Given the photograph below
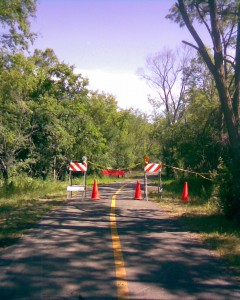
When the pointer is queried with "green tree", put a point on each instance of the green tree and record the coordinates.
(37, 105)
(222, 23)
(14, 23)
(17, 81)
(132, 138)
(58, 113)
(197, 143)
(48, 117)
(57, 78)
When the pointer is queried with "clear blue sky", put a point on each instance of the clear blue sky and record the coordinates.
(108, 40)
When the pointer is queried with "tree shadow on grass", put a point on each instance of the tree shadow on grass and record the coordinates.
(218, 233)
(15, 220)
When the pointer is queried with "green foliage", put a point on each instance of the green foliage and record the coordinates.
(223, 19)
(193, 142)
(229, 190)
(197, 140)
(14, 18)
(49, 117)
(201, 191)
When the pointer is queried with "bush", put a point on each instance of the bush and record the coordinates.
(229, 193)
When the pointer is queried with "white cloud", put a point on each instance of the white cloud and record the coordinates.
(129, 90)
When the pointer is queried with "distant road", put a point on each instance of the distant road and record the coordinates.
(113, 248)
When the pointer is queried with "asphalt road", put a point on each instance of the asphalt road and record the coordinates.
(113, 248)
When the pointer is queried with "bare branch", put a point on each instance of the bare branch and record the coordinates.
(201, 47)
(203, 20)
(191, 45)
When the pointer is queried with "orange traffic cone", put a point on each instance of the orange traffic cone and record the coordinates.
(95, 194)
(185, 192)
(138, 192)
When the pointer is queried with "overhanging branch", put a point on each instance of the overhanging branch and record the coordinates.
(191, 45)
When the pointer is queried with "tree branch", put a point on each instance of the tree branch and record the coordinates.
(202, 18)
(218, 53)
(236, 97)
(201, 47)
(191, 45)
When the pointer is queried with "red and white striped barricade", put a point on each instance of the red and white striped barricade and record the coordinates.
(152, 168)
(77, 167)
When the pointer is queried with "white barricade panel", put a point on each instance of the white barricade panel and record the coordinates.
(75, 188)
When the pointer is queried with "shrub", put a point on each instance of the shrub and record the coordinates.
(229, 191)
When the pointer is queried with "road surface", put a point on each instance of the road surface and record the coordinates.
(113, 248)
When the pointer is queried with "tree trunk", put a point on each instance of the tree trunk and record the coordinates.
(4, 170)
(229, 97)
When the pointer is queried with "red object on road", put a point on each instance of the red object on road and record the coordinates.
(138, 192)
(95, 194)
(112, 172)
(185, 192)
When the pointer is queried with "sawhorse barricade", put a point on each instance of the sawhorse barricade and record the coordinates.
(77, 167)
(152, 168)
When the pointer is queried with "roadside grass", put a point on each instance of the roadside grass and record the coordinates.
(24, 202)
(202, 215)
(22, 205)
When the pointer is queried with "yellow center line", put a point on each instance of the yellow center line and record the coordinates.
(121, 278)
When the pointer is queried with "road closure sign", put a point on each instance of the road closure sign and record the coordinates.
(146, 159)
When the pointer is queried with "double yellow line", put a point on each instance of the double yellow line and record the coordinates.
(121, 278)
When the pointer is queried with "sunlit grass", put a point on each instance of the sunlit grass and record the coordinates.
(24, 202)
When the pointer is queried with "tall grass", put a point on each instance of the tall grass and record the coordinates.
(23, 187)
(23, 203)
